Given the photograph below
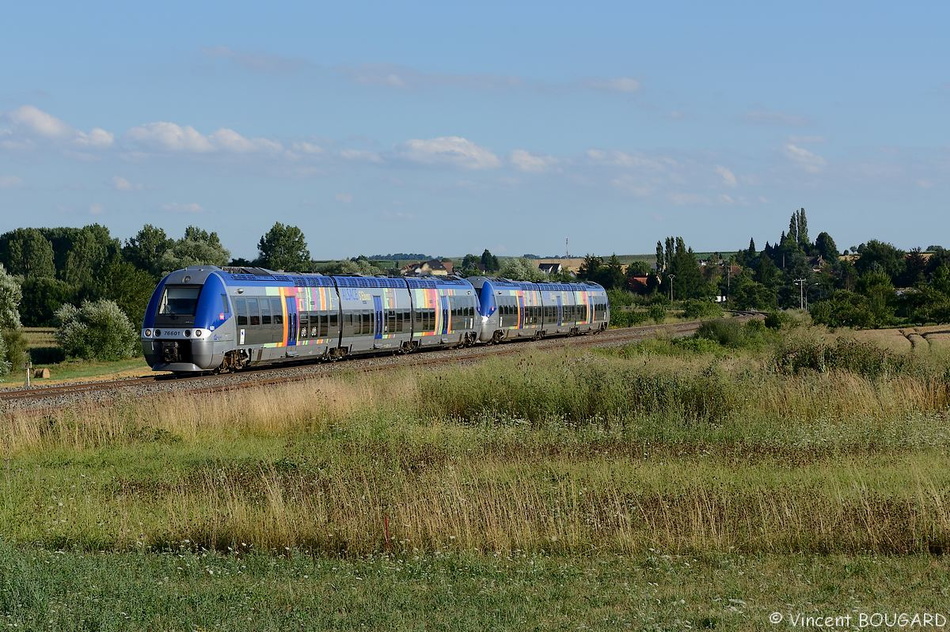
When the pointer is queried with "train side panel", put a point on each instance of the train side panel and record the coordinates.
(313, 315)
(559, 304)
(443, 312)
(376, 314)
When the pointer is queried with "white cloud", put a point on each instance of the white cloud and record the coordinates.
(304, 147)
(171, 137)
(35, 121)
(121, 184)
(231, 141)
(361, 155)
(177, 207)
(9, 182)
(167, 136)
(451, 150)
(28, 124)
(728, 177)
(623, 85)
(533, 163)
(96, 209)
(806, 160)
(97, 138)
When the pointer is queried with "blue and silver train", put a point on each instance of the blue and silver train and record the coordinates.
(206, 318)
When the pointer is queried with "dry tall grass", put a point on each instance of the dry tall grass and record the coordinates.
(550, 453)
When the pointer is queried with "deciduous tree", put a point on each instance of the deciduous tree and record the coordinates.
(26, 252)
(197, 247)
(147, 249)
(284, 248)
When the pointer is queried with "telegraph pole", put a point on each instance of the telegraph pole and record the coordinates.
(671, 277)
(801, 293)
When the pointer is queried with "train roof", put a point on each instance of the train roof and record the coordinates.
(553, 286)
(263, 276)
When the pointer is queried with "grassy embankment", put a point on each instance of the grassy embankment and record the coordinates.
(46, 353)
(603, 483)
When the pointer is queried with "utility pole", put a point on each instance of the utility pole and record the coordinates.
(671, 277)
(728, 266)
(801, 293)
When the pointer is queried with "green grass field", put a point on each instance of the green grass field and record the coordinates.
(662, 486)
(45, 590)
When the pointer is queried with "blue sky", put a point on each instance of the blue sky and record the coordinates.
(447, 128)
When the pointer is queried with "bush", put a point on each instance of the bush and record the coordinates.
(844, 309)
(847, 355)
(695, 308)
(733, 334)
(16, 347)
(620, 298)
(657, 313)
(626, 317)
(96, 331)
(778, 320)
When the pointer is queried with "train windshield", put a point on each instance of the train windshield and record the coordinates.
(179, 301)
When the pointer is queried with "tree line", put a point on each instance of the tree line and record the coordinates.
(84, 281)
(874, 284)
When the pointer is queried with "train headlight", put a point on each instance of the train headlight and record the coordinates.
(158, 333)
(197, 333)
(148, 333)
(187, 333)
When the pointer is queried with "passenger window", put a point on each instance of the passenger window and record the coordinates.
(265, 312)
(241, 306)
(253, 312)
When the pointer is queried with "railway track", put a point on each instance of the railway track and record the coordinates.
(48, 398)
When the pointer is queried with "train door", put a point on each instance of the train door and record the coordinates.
(521, 312)
(291, 303)
(560, 310)
(377, 317)
(445, 315)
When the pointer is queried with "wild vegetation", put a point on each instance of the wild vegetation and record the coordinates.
(744, 450)
(721, 442)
